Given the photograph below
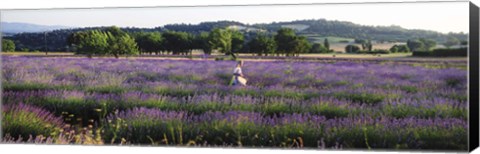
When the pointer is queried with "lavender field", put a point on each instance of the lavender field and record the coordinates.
(286, 104)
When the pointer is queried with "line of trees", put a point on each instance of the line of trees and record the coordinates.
(284, 43)
(226, 41)
(367, 48)
(263, 45)
(421, 44)
(114, 41)
(111, 41)
(56, 40)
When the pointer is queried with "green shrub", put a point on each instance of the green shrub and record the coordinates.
(459, 52)
(20, 120)
(399, 48)
(352, 48)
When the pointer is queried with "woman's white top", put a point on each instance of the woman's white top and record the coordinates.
(237, 70)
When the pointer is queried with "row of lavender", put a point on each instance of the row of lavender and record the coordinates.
(80, 104)
(178, 102)
(238, 128)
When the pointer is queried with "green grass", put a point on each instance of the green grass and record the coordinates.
(86, 108)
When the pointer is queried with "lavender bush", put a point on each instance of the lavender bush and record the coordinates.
(240, 128)
(21, 121)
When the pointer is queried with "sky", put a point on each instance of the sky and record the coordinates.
(443, 17)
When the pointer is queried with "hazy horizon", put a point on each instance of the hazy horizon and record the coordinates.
(442, 17)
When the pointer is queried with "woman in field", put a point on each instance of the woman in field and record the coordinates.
(238, 78)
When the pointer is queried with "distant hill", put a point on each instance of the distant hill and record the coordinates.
(313, 29)
(16, 27)
(204, 26)
(346, 29)
(323, 27)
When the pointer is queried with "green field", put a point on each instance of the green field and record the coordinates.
(332, 39)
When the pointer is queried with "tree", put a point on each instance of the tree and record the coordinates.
(222, 40)
(8, 45)
(326, 44)
(394, 49)
(93, 42)
(177, 42)
(366, 44)
(149, 42)
(318, 48)
(415, 45)
(119, 42)
(291, 44)
(428, 44)
(205, 45)
(399, 48)
(262, 45)
(369, 45)
(122, 45)
(403, 48)
(451, 42)
(112, 41)
(202, 41)
(74, 39)
(352, 48)
(115, 31)
(300, 45)
(285, 40)
(237, 40)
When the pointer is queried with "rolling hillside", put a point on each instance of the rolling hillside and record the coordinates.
(15, 27)
(315, 30)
